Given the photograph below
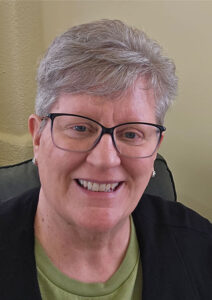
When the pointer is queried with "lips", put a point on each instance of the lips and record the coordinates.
(98, 187)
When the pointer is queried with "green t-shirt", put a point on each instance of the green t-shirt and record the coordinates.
(125, 284)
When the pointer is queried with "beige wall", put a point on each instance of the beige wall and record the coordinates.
(182, 27)
(20, 46)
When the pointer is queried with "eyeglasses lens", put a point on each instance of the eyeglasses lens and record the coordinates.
(73, 133)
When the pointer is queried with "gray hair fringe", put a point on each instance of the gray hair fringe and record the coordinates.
(104, 58)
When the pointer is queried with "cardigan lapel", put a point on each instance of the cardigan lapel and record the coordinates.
(164, 273)
(17, 263)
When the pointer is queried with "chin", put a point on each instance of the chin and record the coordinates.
(100, 221)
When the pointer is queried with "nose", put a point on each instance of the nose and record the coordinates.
(104, 155)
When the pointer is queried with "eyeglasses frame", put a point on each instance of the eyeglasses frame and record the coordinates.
(105, 130)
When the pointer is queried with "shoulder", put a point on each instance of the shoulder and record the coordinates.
(175, 239)
(17, 262)
(19, 210)
(160, 212)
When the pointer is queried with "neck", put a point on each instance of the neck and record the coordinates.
(82, 254)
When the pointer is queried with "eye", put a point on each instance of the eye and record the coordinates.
(79, 128)
(130, 135)
(80, 131)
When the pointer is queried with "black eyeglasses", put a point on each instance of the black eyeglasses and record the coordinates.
(77, 133)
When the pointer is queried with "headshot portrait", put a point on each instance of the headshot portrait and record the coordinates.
(96, 201)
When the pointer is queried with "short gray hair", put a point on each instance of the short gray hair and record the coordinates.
(104, 58)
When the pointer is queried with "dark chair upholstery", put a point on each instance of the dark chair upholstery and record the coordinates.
(16, 179)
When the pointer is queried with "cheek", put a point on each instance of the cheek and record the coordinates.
(59, 165)
(56, 166)
(140, 168)
(140, 172)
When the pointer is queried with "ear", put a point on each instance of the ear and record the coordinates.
(162, 136)
(34, 129)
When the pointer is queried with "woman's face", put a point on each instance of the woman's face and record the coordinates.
(60, 171)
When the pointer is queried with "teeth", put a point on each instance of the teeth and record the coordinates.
(108, 187)
(96, 187)
(89, 186)
(102, 187)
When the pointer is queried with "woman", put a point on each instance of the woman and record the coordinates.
(103, 91)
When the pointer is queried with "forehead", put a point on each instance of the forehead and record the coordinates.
(136, 104)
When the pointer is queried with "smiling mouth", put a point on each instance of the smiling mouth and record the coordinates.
(98, 187)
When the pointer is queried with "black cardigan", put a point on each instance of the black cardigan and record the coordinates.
(175, 245)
